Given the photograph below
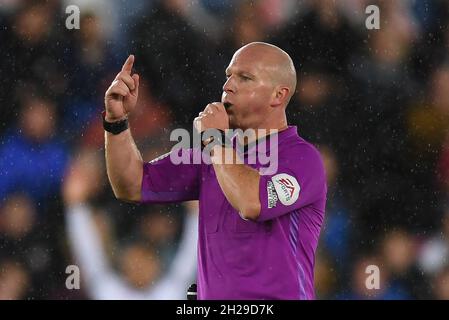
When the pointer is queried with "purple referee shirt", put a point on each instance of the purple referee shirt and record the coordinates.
(271, 258)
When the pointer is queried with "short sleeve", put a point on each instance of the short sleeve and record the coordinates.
(298, 182)
(165, 180)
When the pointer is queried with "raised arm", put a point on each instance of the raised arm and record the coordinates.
(80, 183)
(124, 162)
(182, 271)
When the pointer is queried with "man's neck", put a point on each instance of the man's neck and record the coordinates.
(273, 123)
(251, 136)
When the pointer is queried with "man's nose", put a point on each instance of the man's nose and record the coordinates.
(228, 86)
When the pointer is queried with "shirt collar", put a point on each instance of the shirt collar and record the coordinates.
(282, 135)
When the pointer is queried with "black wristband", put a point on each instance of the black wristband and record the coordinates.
(114, 127)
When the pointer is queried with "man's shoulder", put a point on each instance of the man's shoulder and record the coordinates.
(300, 155)
(297, 146)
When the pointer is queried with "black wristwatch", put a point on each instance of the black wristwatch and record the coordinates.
(114, 127)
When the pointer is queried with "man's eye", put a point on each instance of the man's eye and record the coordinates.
(245, 78)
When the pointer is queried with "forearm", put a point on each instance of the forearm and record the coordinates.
(124, 165)
(239, 182)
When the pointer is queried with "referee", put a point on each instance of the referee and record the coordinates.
(258, 232)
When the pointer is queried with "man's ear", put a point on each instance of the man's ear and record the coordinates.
(280, 95)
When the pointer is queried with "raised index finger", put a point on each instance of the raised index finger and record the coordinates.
(128, 65)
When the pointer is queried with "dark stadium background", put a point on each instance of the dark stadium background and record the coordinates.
(375, 102)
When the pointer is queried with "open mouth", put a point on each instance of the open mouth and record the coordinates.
(227, 105)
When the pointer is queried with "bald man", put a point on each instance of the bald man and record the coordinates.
(257, 232)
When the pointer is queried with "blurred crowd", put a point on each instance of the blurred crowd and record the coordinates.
(375, 103)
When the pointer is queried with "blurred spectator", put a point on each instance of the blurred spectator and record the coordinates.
(325, 277)
(375, 100)
(428, 120)
(35, 50)
(375, 170)
(244, 26)
(140, 276)
(427, 134)
(159, 229)
(318, 98)
(28, 237)
(359, 289)
(322, 38)
(399, 253)
(211, 23)
(441, 285)
(106, 10)
(248, 25)
(434, 253)
(17, 217)
(32, 160)
(14, 280)
(173, 58)
(431, 48)
(9, 6)
(139, 266)
(338, 224)
(442, 168)
(91, 63)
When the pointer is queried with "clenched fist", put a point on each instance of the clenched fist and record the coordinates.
(214, 116)
(121, 97)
